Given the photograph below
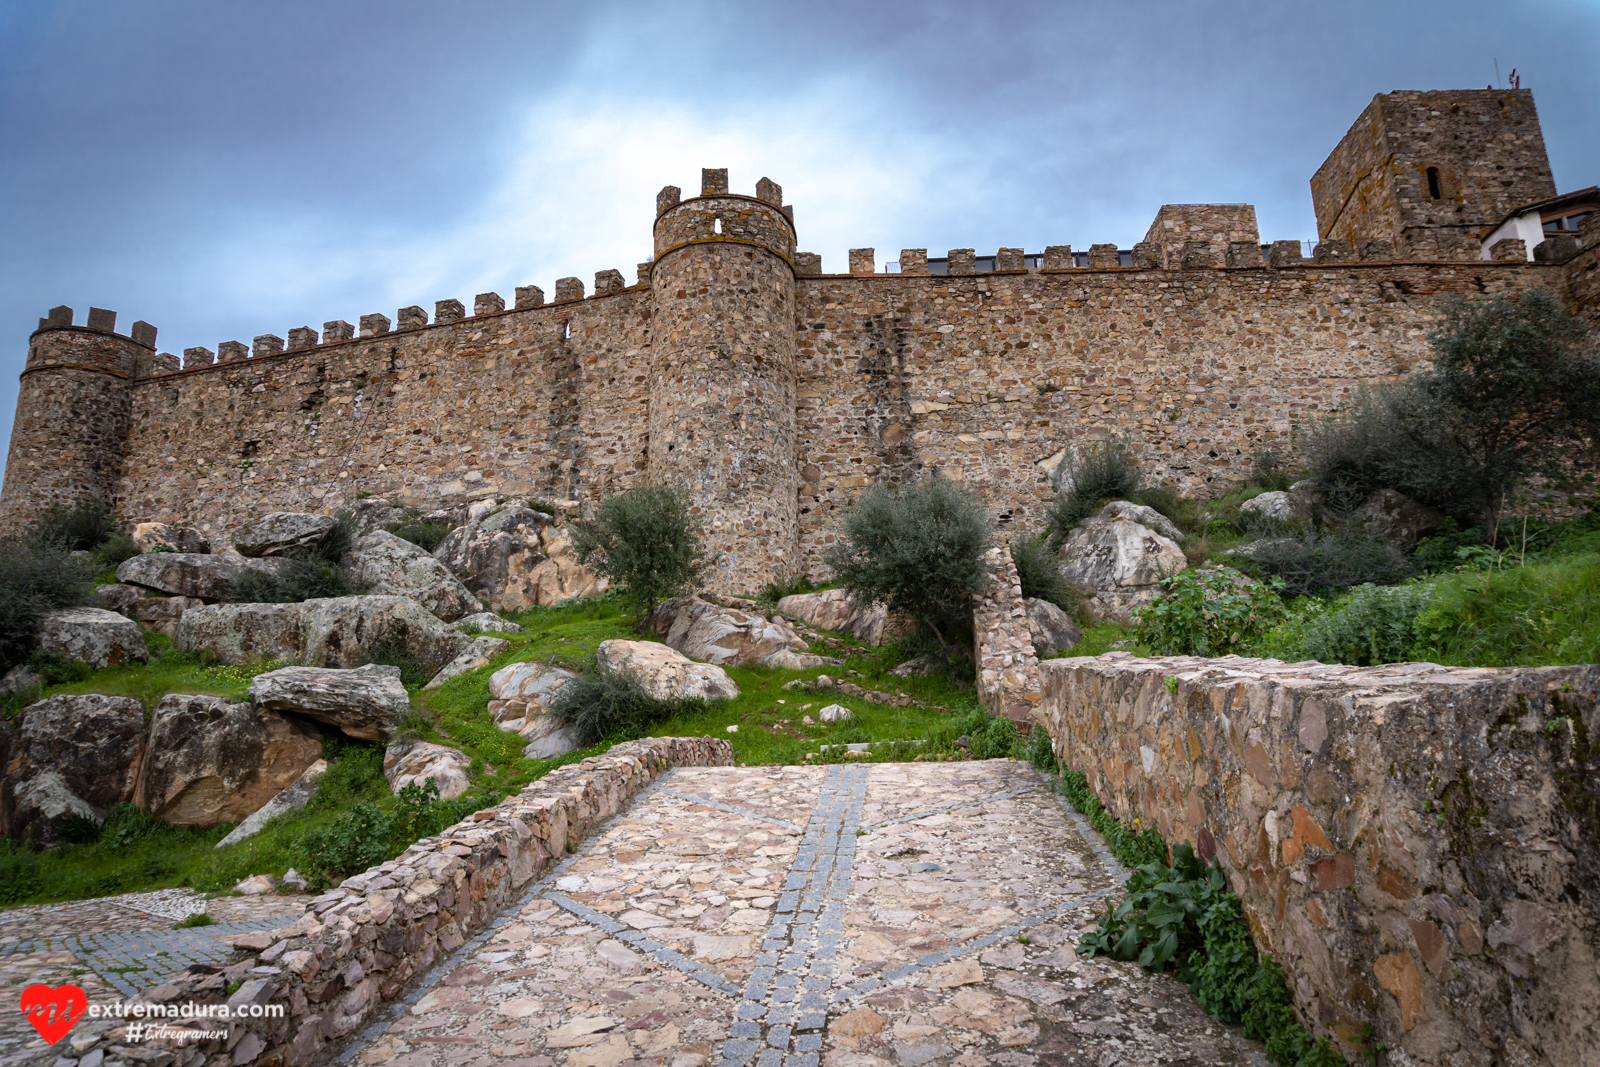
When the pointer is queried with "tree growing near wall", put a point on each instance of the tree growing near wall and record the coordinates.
(645, 540)
(919, 549)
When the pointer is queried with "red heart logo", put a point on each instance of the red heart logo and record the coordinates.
(53, 1011)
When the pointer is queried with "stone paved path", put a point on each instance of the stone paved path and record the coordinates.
(852, 916)
(114, 946)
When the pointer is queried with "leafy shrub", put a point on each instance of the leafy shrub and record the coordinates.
(295, 580)
(776, 591)
(81, 527)
(1208, 613)
(368, 834)
(1186, 513)
(1371, 624)
(118, 546)
(1273, 471)
(37, 576)
(414, 670)
(1100, 471)
(54, 669)
(337, 542)
(1038, 751)
(1320, 562)
(919, 549)
(647, 541)
(425, 535)
(609, 702)
(1039, 571)
(988, 736)
(1132, 846)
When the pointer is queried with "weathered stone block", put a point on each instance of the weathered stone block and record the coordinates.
(1009, 259)
(609, 281)
(568, 289)
(232, 352)
(961, 260)
(374, 325)
(1509, 250)
(862, 261)
(1057, 257)
(198, 357)
(266, 344)
(449, 311)
(101, 319)
(668, 197)
(529, 296)
(1103, 256)
(1284, 254)
(488, 304)
(807, 263)
(913, 261)
(410, 318)
(302, 337)
(337, 330)
(770, 192)
(714, 182)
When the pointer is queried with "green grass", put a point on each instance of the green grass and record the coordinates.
(1099, 638)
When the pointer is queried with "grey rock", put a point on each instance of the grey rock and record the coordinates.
(281, 533)
(189, 574)
(114, 596)
(1397, 520)
(480, 653)
(407, 763)
(832, 609)
(725, 636)
(665, 672)
(1144, 516)
(18, 679)
(1117, 562)
(212, 761)
(497, 558)
(486, 622)
(159, 536)
(71, 754)
(388, 565)
(366, 702)
(374, 513)
(163, 613)
(240, 633)
(347, 631)
(1052, 629)
(291, 797)
(835, 713)
(917, 667)
(94, 636)
(549, 738)
(293, 880)
(521, 695)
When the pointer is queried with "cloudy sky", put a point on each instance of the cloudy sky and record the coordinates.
(226, 169)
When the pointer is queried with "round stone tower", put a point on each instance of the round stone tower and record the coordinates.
(722, 397)
(73, 406)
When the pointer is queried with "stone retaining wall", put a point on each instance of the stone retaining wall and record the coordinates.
(359, 944)
(1008, 668)
(1419, 846)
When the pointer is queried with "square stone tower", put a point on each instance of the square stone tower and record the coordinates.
(1429, 171)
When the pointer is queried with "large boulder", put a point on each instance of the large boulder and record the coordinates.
(114, 596)
(480, 653)
(1118, 562)
(291, 797)
(666, 673)
(486, 622)
(212, 761)
(1277, 506)
(404, 763)
(832, 609)
(520, 697)
(94, 636)
(72, 755)
(728, 637)
(282, 533)
(163, 613)
(561, 577)
(1397, 520)
(1144, 515)
(240, 633)
(161, 537)
(387, 564)
(191, 574)
(497, 557)
(367, 702)
(1051, 628)
(347, 631)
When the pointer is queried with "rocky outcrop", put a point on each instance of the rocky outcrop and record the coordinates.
(189, 574)
(114, 596)
(486, 622)
(71, 755)
(282, 533)
(212, 761)
(480, 653)
(725, 636)
(1051, 628)
(347, 631)
(292, 797)
(1397, 520)
(366, 702)
(404, 763)
(561, 577)
(160, 537)
(94, 636)
(1118, 562)
(388, 565)
(1276, 506)
(832, 609)
(241, 633)
(520, 697)
(163, 613)
(1144, 516)
(497, 557)
(666, 673)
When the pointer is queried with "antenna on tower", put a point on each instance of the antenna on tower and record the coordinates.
(1497, 72)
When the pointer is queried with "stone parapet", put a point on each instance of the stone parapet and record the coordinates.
(1008, 669)
(359, 945)
(1417, 845)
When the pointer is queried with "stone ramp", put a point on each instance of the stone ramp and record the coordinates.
(855, 915)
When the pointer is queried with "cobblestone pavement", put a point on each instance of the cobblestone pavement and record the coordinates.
(113, 946)
(847, 916)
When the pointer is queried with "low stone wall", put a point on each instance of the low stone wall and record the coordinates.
(1008, 669)
(1419, 846)
(358, 945)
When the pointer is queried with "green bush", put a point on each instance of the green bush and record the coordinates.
(82, 527)
(611, 703)
(989, 736)
(1321, 562)
(1038, 751)
(1208, 613)
(645, 540)
(1039, 571)
(368, 834)
(1371, 624)
(414, 670)
(297, 579)
(919, 549)
(37, 576)
(425, 535)
(1273, 469)
(1099, 472)
(118, 546)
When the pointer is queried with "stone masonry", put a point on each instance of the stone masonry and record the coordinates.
(777, 393)
(1008, 665)
(1418, 846)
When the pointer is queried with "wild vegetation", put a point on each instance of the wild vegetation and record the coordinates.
(647, 541)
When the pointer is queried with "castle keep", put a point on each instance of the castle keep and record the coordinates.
(778, 392)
